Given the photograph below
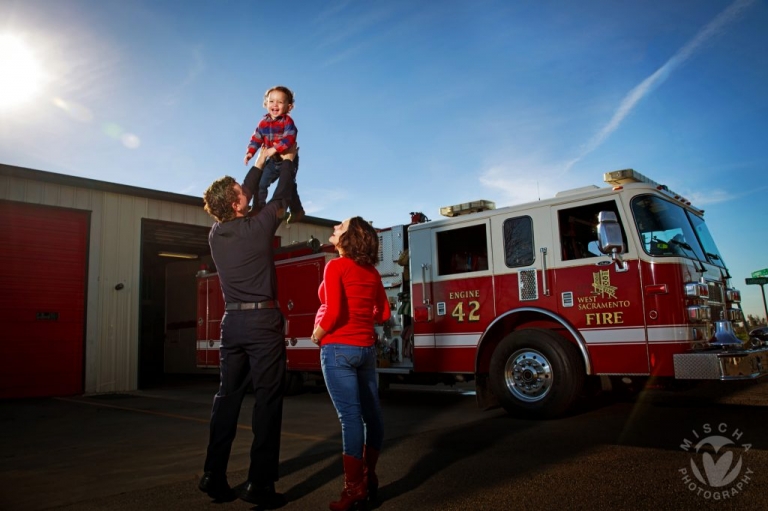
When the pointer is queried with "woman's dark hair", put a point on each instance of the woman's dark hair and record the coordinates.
(219, 197)
(361, 242)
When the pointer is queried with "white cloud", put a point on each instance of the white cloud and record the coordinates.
(521, 182)
(343, 29)
(75, 110)
(703, 198)
(196, 67)
(322, 200)
(707, 197)
(130, 141)
(189, 190)
(344, 55)
(647, 86)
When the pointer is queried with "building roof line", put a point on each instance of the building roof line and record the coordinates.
(105, 186)
(95, 184)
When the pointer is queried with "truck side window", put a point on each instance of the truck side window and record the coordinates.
(518, 242)
(462, 250)
(578, 230)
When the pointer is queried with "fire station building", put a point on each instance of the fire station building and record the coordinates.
(99, 282)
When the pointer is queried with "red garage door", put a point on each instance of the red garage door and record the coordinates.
(43, 254)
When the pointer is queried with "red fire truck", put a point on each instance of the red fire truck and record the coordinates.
(534, 301)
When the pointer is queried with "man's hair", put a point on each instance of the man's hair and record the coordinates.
(219, 198)
(361, 242)
(280, 88)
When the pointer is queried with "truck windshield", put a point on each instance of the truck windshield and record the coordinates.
(706, 240)
(666, 229)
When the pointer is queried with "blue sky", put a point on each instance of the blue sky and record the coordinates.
(408, 106)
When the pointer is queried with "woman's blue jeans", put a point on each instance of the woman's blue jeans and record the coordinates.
(350, 376)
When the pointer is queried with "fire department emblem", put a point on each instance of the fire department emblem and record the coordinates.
(601, 284)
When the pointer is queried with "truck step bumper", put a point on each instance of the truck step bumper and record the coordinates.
(722, 365)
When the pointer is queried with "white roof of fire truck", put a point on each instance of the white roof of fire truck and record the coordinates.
(618, 179)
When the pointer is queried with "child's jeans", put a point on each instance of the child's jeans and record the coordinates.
(269, 175)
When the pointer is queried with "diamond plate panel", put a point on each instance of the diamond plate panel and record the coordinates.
(722, 365)
(528, 285)
(696, 366)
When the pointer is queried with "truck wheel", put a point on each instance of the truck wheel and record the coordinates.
(536, 373)
(294, 383)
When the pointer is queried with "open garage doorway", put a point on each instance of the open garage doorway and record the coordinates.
(171, 256)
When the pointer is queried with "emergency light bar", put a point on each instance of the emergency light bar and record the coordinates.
(467, 207)
(619, 178)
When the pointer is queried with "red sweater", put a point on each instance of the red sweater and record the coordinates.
(352, 299)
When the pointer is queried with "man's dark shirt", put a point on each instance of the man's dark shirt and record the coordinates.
(242, 249)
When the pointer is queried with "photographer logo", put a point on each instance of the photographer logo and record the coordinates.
(717, 469)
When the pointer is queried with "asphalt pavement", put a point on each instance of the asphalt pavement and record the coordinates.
(144, 450)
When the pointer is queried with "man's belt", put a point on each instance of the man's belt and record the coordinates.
(239, 306)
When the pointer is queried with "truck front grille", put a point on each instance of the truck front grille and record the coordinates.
(716, 301)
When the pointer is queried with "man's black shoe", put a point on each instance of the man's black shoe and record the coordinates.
(264, 496)
(216, 487)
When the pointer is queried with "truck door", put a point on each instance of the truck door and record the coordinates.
(602, 299)
(455, 279)
(422, 303)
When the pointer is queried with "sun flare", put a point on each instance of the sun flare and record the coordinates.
(20, 74)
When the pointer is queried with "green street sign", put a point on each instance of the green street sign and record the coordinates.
(758, 280)
(760, 273)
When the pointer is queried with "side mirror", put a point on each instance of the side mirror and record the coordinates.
(609, 239)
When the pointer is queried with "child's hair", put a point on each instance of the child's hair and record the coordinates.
(280, 88)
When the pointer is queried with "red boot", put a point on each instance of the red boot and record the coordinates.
(371, 456)
(355, 490)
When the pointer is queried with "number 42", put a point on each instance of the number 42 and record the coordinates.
(459, 314)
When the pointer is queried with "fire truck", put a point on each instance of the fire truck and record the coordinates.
(535, 302)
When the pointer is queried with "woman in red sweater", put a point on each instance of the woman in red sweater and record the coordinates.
(352, 300)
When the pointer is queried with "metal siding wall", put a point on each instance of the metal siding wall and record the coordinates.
(180, 213)
(300, 233)
(34, 192)
(112, 317)
(117, 342)
(87, 199)
(16, 190)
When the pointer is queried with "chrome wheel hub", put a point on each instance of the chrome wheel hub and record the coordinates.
(528, 375)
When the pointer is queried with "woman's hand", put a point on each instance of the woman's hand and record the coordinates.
(317, 334)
